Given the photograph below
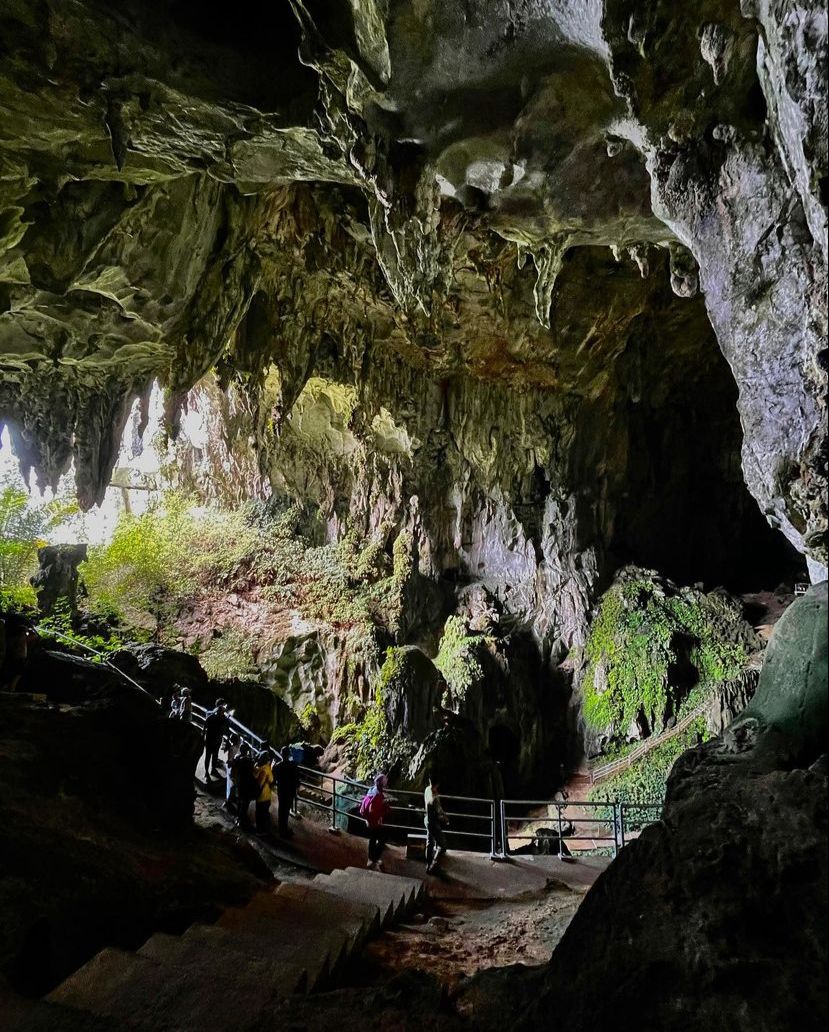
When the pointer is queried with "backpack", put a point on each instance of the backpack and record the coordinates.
(373, 808)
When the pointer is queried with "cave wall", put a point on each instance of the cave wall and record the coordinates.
(151, 212)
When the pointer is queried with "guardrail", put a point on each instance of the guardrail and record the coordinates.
(607, 770)
(484, 824)
(494, 821)
(49, 632)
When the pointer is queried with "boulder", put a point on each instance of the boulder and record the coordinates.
(411, 693)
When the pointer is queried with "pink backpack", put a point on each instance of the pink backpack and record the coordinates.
(373, 808)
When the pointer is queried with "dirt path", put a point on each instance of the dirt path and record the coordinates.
(456, 939)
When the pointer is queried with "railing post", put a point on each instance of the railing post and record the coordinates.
(560, 830)
(502, 806)
(493, 842)
(622, 825)
(615, 828)
(333, 828)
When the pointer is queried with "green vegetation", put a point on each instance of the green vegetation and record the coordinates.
(457, 660)
(228, 656)
(95, 647)
(644, 781)
(371, 747)
(643, 634)
(24, 527)
(179, 555)
(160, 560)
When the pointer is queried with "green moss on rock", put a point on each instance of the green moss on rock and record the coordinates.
(653, 647)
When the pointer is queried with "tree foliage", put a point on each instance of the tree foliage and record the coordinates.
(25, 527)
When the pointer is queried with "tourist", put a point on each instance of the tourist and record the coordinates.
(215, 728)
(234, 749)
(435, 821)
(264, 785)
(247, 786)
(185, 706)
(287, 783)
(374, 809)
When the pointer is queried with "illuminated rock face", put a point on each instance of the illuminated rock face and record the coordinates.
(439, 190)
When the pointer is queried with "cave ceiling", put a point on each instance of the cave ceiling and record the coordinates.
(506, 191)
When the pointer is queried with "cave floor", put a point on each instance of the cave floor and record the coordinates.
(456, 939)
(478, 915)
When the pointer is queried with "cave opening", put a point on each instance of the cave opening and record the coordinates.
(412, 389)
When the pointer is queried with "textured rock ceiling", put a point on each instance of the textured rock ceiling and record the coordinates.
(185, 185)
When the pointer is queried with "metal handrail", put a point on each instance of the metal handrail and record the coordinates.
(101, 655)
(607, 770)
(317, 781)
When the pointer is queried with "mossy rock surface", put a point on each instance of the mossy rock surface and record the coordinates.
(655, 649)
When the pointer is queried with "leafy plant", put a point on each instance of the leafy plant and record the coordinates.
(59, 627)
(230, 655)
(24, 528)
(643, 633)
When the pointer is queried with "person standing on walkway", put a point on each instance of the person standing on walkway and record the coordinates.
(287, 783)
(216, 726)
(234, 749)
(436, 821)
(247, 787)
(185, 706)
(264, 784)
(375, 808)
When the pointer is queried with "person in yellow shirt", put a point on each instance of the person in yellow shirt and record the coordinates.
(264, 779)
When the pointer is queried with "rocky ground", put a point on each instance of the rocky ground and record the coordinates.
(454, 940)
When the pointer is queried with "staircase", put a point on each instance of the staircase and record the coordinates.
(291, 940)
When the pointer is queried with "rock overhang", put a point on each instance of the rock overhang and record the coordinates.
(159, 178)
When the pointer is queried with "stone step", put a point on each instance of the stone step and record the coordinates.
(282, 964)
(389, 906)
(144, 994)
(316, 958)
(101, 980)
(22, 1015)
(414, 890)
(280, 917)
(380, 886)
(346, 913)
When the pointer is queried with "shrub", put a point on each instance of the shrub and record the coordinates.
(230, 655)
(643, 631)
(159, 560)
(24, 527)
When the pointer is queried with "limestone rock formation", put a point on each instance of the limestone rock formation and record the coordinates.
(716, 916)
(435, 192)
(57, 576)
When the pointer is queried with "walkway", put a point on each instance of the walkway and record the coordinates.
(471, 876)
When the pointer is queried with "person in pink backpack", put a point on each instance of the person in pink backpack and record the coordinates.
(374, 809)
